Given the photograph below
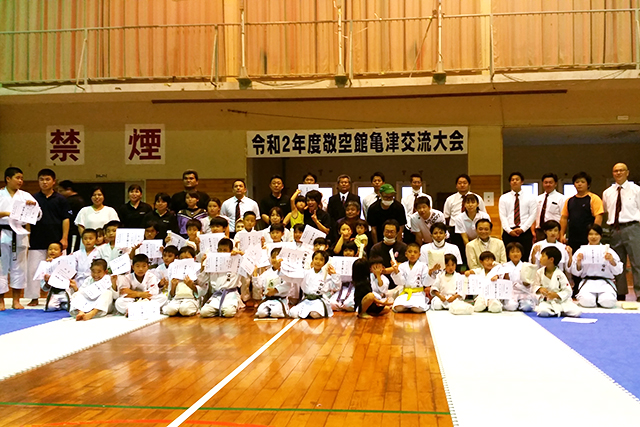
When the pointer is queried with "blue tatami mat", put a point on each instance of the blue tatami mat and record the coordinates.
(612, 344)
(14, 320)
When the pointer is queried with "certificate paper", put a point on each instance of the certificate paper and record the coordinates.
(129, 237)
(24, 213)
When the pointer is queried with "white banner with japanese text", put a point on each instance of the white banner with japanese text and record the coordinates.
(144, 145)
(65, 145)
(358, 142)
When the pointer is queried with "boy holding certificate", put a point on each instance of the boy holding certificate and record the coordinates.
(95, 297)
(445, 289)
(275, 290)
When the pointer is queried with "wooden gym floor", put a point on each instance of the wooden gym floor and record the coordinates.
(341, 371)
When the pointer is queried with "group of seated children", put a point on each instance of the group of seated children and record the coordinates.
(318, 290)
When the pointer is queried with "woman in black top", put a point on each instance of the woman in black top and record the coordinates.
(132, 213)
(162, 216)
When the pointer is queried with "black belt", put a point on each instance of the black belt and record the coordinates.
(14, 238)
(606, 279)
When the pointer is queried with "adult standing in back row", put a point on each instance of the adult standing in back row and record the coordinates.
(190, 183)
(622, 203)
(235, 207)
(52, 227)
(517, 214)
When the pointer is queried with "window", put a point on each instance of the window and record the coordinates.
(569, 190)
(530, 189)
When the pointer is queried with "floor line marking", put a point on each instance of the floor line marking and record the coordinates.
(204, 399)
(205, 408)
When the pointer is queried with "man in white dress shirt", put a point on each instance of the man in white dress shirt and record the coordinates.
(517, 215)
(453, 204)
(550, 204)
(622, 203)
(236, 206)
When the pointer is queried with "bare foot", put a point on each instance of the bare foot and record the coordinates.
(34, 302)
(364, 316)
(2, 307)
(16, 305)
(89, 315)
(80, 316)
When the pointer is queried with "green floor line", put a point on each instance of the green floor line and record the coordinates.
(182, 408)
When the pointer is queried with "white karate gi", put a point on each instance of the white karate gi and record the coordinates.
(447, 248)
(380, 290)
(13, 263)
(107, 253)
(559, 284)
(480, 303)
(446, 284)
(83, 264)
(149, 284)
(278, 304)
(523, 298)
(185, 301)
(598, 284)
(412, 282)
(561, 247)
(57, 299)
(225, 299)
(317, 286)
(104, 303)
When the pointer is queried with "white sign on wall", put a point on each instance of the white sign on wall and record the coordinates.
(358, 142)
(144, 145)
(65, 145)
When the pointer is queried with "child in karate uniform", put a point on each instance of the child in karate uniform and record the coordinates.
(412, 278)
(487, 261)
(318, 283)
(275, 290)
(523, 299)
(379, 282)
(169, 254)
(444, 289)
(598, 281)
(141, 284)
(366, 303)
(85, 255)
(86, 305)
(343, 300)
(183, 294)
(223, 296)
(551, 229)
(57, 299)
(438, 244)
(552, 287)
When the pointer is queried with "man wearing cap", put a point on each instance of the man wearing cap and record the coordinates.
(384, 209)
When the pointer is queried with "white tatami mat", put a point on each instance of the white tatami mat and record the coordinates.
(32, 347)
(506, 370)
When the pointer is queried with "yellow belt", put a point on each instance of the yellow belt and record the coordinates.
(411, 291)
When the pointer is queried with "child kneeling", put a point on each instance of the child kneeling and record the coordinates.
(275, 290)
(553, 287)
(444, 290)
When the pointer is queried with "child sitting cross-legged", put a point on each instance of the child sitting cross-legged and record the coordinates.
(444, 289)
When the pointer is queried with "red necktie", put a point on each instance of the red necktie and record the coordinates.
(616, 221)
(516, 212)
(544, 209)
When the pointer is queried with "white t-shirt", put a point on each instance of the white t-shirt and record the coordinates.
(464, 224)
(88, 217)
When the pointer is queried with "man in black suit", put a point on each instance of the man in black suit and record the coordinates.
(337, 202)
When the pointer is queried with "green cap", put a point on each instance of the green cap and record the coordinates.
(387, 189)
